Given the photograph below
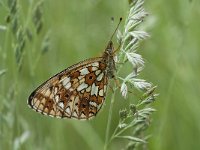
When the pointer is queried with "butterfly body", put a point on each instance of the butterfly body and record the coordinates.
(78, 91)
(109, 58)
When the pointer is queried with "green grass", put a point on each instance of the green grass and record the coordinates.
(75, 30)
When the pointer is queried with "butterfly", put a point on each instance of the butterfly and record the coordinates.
(78, 91)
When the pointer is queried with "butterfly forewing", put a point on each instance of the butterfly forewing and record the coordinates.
(77, 92)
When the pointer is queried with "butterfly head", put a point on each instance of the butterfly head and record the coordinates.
(110, 48)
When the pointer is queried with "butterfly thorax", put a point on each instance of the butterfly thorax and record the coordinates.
(108, 57)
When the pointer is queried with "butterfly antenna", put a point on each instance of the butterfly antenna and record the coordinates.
(120, 20)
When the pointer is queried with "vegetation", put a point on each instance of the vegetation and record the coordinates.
(40, 38)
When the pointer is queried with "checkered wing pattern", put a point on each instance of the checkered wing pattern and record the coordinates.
(76, 92)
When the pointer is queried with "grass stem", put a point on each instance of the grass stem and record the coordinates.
(109, 118)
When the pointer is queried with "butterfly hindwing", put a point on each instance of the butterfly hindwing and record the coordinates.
(77, 92)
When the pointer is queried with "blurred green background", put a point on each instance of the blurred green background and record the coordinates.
(75, 30)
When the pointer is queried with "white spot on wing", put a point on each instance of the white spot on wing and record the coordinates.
(51, 115)
(57, 98)
(75, 114)
(95, 64)
(82, 86)
(100, 77)
(67, 110)
(71, 89)
(34, 107)
(55, 90)
(93, 104)
(82, 91)
(80, 77)
(94, 68)
(66, 81)
(101, 92)
(91, 114)
(82, 80)
(88, 89)
(94, 90)
(68, 85)
(44, 113)
(61, 105)
(97, 72)
(82, 115)
(84, 71)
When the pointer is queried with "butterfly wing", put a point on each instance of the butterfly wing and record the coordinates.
(76, 92)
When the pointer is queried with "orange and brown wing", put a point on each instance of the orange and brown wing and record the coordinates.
(77, 92)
